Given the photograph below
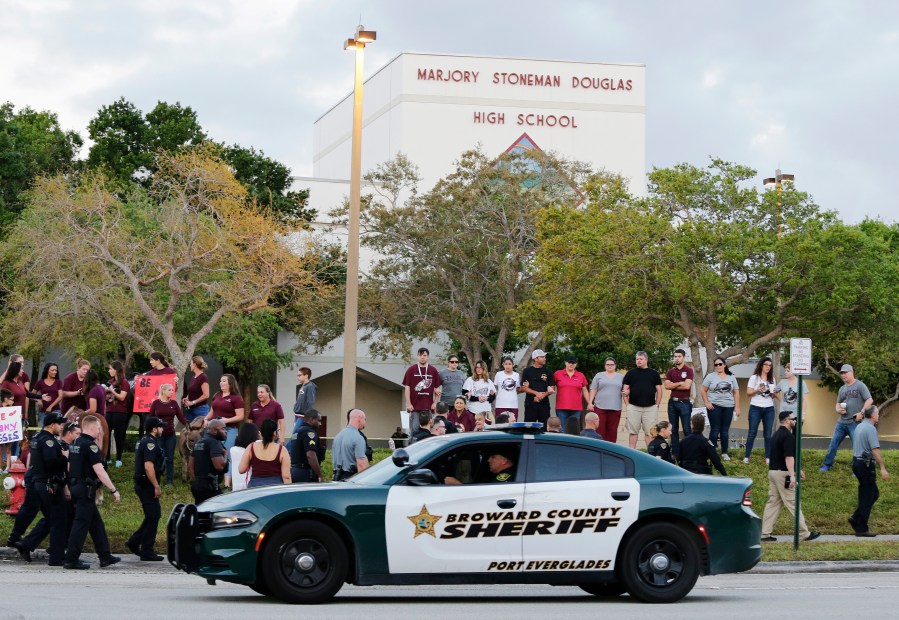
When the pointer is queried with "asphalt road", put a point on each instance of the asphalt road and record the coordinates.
(128, 591)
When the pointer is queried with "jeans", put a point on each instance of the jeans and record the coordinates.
(231, 438)
(678, 414)
(840, 431)
(197, 411)
(719, 423)
(765, 415)
(168, 443)
(564, 414)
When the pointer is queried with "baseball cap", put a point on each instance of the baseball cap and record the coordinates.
(571, 359)
(538, 353)
(153, 422)
(786, 414)
(846, 368)
(54, 418)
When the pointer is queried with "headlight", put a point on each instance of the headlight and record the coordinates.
(232, 518)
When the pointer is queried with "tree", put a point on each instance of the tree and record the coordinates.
(126, 142)
(160, 268)
(268, 183)
(732, 271)
(31, 143)
(457, 260)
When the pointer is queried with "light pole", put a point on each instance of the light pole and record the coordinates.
(351, 312)
(777, 182)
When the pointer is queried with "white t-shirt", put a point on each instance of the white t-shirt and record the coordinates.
(507, 390)
(238, 480)
(759, 400)
(481, 387)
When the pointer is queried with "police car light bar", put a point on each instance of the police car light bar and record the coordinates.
(519, 427)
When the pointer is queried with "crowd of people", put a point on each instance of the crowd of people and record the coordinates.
(246, 447)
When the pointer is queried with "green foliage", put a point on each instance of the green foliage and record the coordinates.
(268, 183)
(31, 143)
(457, 260)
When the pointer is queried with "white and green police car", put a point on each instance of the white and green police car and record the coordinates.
(510, 506)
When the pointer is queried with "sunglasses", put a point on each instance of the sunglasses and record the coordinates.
(718, 364)
(454, 361)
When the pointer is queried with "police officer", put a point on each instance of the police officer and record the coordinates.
(696, 451)
(501, 466)
(86, 474)
(208, 462)
(48, 476)
(149, 460)
(306, 450)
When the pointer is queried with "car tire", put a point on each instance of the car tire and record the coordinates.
(304, 562)
(261, 587)
(660, 563)
(608, 589)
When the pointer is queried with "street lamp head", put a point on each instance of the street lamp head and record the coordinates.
(771, 182)
(786, 178)
(349, 44)
(365, 36)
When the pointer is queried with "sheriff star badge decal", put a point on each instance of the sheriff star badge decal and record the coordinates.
(424, 522)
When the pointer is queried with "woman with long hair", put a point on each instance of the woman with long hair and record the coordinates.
(459, 415)
(721, 395)
(762, 388)
(117, 389)
(229, 406)
(246, 434)
(479, 390)
(196, 401)
(48, 390)
(507, 382)
(266, 460)
(12, 381)
(72, 391)
(94, 394)
(660, 446)
(267, 408)
(166, 409)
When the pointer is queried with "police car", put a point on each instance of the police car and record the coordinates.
(510, 506)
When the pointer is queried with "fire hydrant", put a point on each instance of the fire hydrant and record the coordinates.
(15, 484)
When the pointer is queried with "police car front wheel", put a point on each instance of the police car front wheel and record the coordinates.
(660, 563)
(304, 562)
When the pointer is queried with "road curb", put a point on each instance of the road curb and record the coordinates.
(842, 566)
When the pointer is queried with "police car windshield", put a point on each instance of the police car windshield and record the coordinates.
(384, 470)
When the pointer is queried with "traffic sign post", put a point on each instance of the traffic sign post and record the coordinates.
(800, 365)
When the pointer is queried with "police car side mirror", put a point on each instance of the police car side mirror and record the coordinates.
(421, 478)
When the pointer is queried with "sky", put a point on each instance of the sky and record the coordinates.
(807, 86)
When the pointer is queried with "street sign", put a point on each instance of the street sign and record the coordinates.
(801, 356)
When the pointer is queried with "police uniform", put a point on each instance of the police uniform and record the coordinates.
(695, 453)
(305, 439)
(48, 476)
(506, 475)
(84, 453)
(661, 448)
(149, 450)
(206, 477)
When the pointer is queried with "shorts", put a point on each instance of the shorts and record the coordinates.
(637, 416)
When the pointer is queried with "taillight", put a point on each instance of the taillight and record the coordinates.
(747, 497)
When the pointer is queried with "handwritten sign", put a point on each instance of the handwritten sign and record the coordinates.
(10, 424)
(146, 390)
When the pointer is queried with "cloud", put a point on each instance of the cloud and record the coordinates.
(711, 78)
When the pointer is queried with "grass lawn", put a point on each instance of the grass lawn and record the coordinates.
(827, 499)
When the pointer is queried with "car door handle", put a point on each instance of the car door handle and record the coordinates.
(620, 495)
(506, 503)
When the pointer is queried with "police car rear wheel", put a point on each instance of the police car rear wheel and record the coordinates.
(607, 589)
(304, 562)
(660, 564)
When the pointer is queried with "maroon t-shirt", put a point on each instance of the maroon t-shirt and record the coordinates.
(676, 375)
(70, 384)
(271, 411)
(466, 419)
(195, 388)
(422, 382)
(167, 412)
(51, 390)
(98, 393)
(24, 378)
(113, 404)
(226, 406)
(19, 395)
